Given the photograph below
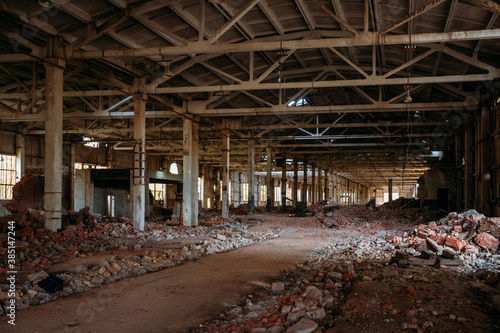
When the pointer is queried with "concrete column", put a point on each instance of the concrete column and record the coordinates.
(218, 188)
(313, 184)
(251, 176)
(225, 173)
(335, 188)
(109, 157)
(283, 182)
(469, 169)
(304, 184)
(190, 173)
(53, 143)
(295, 182)
(72, 176)
(139, 172)
(330, 188)
(21, 154)
(390, 190)
(320, 185)
(269, 187)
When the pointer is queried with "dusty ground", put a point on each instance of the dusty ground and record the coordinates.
(182, 297)
(172, 300)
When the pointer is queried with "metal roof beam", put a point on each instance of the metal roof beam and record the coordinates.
(411, 16)
(366, 38)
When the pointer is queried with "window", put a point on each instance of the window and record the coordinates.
(173, 169)
(158, 190)
(111, 205)
(200, 189)
(394, 196)
(89, 142)
(79, 166)
(299, 102)
(7, 176)
(277, 194)
(263, 193)
(289, 196)
(244, 192)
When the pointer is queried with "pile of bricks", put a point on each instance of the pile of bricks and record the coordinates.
(467, 233)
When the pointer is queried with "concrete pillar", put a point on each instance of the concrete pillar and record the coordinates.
(283, 182)
(469, 169)
(218, 189)
(72, 176)
(225, 173)
(313, 184)
(390, 190)
(139, 172)
(320, 185)
(251, 176)
(53, 143)
(21, 154)
(109, 157)
(190, 173)
(335, 188)
(269, 187)
(295, 181)
(304, 184)
(330, 186)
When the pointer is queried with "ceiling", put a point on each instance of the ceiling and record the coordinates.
(324, 81)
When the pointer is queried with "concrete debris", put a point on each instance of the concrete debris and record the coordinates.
(40, 250)
(305, 325)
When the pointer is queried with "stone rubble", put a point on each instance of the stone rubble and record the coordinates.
(38, 250)
(317, 296)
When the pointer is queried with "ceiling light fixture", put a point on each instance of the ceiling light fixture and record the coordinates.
(167, 72)
(408, 98)
(45, 3)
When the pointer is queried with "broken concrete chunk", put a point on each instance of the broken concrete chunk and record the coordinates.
(433, 245)
(79, 269)
(317, 314)
(305, 325)
(449, 254)
(312, 293)
(278, 286)
(38, 276)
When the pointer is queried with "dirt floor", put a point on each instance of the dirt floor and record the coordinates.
(175, 299)
(380, 298)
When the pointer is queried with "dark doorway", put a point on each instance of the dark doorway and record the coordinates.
(442, 198)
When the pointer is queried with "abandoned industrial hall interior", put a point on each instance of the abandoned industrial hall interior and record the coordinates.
(259, 166)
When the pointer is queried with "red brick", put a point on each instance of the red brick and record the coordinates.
(487, 241)
(471, 249)
(457, 228)
(454, 243)
(441, 239)
(434, 237)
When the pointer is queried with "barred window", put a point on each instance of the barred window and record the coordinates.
(7, 176)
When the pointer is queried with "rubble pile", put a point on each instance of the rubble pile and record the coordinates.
(28, 192)
(330, 294)
(468, 236)
(42, 252)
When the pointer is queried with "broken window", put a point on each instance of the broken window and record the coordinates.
(89, 142)
(7, 176)
(244, 192)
